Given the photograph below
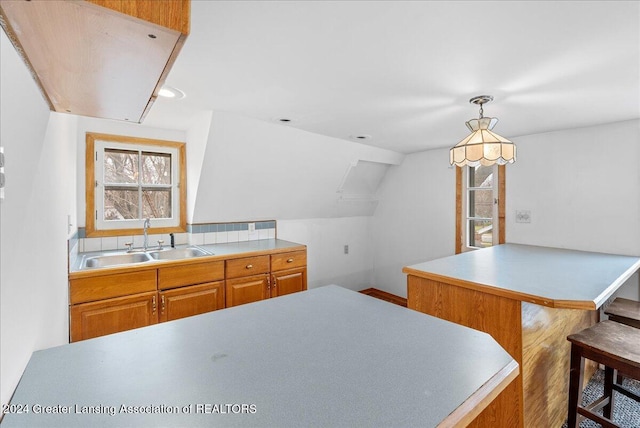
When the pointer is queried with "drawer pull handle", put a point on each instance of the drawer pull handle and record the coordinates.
(249, 266)
(289, 260)
(163, 304)
(153, 304)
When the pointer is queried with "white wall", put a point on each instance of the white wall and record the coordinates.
(415, 218)
(197, 137)
(39, 195)
(589, 200)
(590, 203)
(255, 170)
(325, 239)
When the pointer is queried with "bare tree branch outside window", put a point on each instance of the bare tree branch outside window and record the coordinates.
(137, 184)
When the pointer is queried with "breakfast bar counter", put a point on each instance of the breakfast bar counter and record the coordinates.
(529, 299)
(323, 357)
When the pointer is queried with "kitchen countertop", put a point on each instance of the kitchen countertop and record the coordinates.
(553, 277)
(218, 251)
(249, 246)
(323, 357)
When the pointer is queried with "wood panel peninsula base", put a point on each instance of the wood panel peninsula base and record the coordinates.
(529, 299)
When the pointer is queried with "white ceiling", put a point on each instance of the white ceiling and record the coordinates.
(403, 72)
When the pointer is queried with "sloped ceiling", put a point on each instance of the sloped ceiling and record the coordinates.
(404, 71)
(258, 170)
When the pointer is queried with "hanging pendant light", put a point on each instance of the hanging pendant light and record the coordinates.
(482, 147)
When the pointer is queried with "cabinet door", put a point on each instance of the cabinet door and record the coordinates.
(246, 290)
(113, 315)
(288, 281)
(193, 300)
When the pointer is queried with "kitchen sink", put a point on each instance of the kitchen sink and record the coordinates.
(178, 253)
(106, 260)
(140, 256)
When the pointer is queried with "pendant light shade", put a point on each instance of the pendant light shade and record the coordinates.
(482, 146)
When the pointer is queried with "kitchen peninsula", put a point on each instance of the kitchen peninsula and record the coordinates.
(529, 299)
(323, 357)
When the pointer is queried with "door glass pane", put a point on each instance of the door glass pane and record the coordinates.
(481, 203)
(156, 203)
(120, 166)
(156, 168)
(481, 176)
(120, 204)
(480, 233)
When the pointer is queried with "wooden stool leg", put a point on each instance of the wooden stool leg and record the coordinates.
(608, 391)
(575, 385)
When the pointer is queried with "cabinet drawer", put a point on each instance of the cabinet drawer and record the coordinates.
(106, 286)
(196, 273)
(289, 260)
(237, 268)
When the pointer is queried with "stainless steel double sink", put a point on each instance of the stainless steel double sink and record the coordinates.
(139, 256)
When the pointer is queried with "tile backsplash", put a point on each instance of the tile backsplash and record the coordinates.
(197, 234)
(221, 233)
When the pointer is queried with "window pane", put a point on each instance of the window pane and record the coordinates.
(120, 166)
(480, 233)
(156, 168)
(120, 204)
(481, 203)
(156, 203)
(481, 176)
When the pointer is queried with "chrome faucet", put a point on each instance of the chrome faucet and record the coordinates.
(146, 225)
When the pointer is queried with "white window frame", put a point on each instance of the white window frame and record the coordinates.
(495, 219)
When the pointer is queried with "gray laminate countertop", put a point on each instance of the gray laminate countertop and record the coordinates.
(324, 357)
(221, 251)
(552, 277)
(250, 246)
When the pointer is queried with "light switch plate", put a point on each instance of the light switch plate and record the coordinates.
(523, 216)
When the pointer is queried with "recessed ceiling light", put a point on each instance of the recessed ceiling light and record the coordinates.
(361, 137)
(171, 92)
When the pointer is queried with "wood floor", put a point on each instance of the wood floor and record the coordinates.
(383, 295)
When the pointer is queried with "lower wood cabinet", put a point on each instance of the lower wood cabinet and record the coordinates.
(288, 273)
(193, 300)
(254, 288)
(106, 303)
(89, 320)
(288, 281)
(247, 289)
(94, 319)
(247, 280)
